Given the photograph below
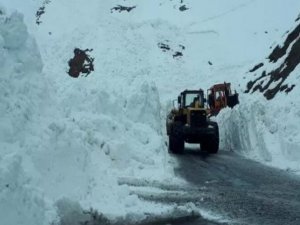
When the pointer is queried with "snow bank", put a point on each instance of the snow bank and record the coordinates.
(20, 79)
(21, 89)
(87, 144)
(71, 141)
(266, 131)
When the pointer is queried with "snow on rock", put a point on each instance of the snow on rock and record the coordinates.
(282, 62)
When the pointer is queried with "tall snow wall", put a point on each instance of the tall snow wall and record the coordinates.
(265, 126)
(21, 92)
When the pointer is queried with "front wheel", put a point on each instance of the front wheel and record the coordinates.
(176, 145)
(211, 142)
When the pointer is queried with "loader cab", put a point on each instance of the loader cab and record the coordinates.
(192, 99)
(217, 98)
(220, 96)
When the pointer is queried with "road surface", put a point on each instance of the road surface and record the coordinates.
(225, 188)
(235, 189)
(244, 191)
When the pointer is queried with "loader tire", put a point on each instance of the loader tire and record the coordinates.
(211, 142)
(176, 144)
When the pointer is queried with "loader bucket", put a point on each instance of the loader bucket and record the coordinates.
(233, 100)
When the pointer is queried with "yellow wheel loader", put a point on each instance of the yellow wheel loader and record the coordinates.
(189, 122)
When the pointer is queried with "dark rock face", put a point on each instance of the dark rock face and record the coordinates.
(279, 52)
(177, 54)
(121, 8)
(41, 11)
(256, 67)
(81, 63)
(165, 47)
(183, 8)
(265, 82)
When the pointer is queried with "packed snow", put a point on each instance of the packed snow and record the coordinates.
(65, 143)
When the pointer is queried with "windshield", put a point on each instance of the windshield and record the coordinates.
(191, 99)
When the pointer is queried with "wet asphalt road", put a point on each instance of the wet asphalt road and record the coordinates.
(241, 190)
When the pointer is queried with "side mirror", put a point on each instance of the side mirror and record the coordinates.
(179, 99)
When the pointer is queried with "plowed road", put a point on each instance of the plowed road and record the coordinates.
(243, 191)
